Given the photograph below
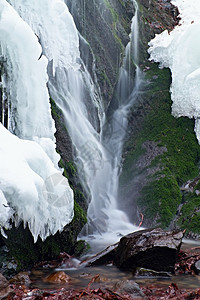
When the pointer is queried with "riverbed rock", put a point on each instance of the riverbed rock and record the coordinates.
(154, 249)
(197, 267)
(104, 257)
(58, 277)
(21, 278)
(130, 287)
(142, 272)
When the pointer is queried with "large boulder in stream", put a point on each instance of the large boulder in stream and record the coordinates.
(152, 248)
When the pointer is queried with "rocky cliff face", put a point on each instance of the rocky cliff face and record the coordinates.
(105, 25)
(161, 153)
(105, 28)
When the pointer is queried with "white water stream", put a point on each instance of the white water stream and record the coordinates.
(97, 140)
(106, 222)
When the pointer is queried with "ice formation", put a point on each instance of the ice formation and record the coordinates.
(26, 176)
(55, 28)
(180, 51)
(79, 101)
(30, 180)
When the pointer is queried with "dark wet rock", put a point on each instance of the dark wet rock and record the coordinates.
(27, 253)
(21, 278)
(152, 151)
(8, 266)
(154, 249)
(142, 272)
(130, 287)
(197, 267)
(106, 27)
(103, 257)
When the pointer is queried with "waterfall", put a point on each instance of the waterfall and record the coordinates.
(97, 139)
(106, 221)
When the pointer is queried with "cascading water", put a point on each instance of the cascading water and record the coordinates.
(98, 148)
(106, 221)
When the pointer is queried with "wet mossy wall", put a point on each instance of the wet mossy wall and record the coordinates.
(161, 152)
(106, 25)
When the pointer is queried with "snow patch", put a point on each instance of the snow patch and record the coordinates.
(31, 184)
(32, 187)
(179, 50)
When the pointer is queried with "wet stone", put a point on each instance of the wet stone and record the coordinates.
(130, 287)
(152, 249)
(197, 267)
(142, 272)
(57, 277)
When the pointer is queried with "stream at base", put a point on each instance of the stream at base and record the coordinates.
(109, 275)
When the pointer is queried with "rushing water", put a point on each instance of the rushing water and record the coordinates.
(106, 222)
(97, 139)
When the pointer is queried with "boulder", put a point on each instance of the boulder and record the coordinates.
(152, 249)
(130, 287)
(104, 257)
(21, 278)
(58, 277)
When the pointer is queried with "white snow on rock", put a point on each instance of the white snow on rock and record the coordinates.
(179, 50)
(31, 183)
(32, 186)
(52, 22)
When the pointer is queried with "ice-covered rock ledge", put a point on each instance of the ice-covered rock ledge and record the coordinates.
(35, 190)
(32, 188)
(179, 50)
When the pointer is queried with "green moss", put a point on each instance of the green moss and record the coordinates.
(112, 11)
(26, 252)
(55, 111)
(79, 214)
(177, 135)
(190, 213)
(160, 195)
(163, 196)
(81, 248)
(69, 168)
(197, 186)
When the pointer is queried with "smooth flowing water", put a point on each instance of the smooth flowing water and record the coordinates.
(97, 139)
(109, 275)
(106, 222)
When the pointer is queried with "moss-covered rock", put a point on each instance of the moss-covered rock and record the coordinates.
(26, 253)
(189, 215)
(106, 26)
(161, 152)
(20, 241)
